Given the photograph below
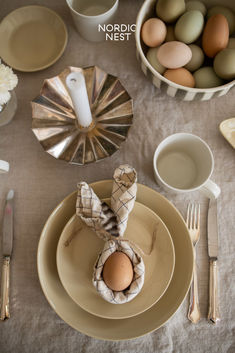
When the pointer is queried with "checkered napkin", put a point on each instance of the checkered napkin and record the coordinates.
(95, 213)
(110, 223)
(123, 195)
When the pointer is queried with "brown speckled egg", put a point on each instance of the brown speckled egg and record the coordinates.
(118, 271)
(153, 32)
(180, 76)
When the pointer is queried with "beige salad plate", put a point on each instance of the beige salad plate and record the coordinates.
(32, 38)
(78, 249)
(122, 329)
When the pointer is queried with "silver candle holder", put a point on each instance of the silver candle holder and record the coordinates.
(57, 129)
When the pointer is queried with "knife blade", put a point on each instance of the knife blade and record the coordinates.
(212, 230)
(212, 235)
(7, 246)
(7, 231)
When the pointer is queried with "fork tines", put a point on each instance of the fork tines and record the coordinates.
(193, 216)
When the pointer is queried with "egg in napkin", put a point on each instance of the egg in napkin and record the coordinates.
(119, 270)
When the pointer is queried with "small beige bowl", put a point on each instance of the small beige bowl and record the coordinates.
(172, 89)
(32, 38)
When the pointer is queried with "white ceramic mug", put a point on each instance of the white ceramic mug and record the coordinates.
(89, 14)
(184, 163)
(4, 166)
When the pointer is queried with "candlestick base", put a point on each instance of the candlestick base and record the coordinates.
(55, 124)
(87, 128)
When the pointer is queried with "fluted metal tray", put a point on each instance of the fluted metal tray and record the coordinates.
(55, 124)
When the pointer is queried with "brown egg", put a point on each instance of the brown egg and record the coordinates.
(118, 271)
(180, 76)
(153, 32)
(215, 35)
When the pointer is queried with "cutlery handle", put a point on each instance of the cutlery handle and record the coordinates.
(194, 314)
(213, 314)
(4, 314)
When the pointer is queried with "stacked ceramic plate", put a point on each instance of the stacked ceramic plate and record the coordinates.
(66, 257)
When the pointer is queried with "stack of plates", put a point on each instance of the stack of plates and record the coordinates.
(65, 266)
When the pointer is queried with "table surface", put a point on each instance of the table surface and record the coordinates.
(41, 182)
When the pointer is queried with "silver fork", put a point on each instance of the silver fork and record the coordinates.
(193, 224)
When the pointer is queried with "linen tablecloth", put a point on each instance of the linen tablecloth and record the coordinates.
(41, 182)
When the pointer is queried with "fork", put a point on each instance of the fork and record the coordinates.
(193, 224)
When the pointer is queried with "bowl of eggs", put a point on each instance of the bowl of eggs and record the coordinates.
(187, 48)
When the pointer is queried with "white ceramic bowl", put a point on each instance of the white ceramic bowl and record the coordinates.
(172, 89)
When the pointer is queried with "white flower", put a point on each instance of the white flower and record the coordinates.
(4, 97)
(8, 81)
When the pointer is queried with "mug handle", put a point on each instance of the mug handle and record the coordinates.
(210, 189)
(4, 166)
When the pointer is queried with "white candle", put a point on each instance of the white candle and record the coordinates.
(77, 89)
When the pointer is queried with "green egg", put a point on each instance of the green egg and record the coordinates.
(206, 77)
(152, 58)
(228, 13)
(231, 43)
(170, 10)
(224, 64)
(189, 26)
(170, 33)
(196, 5)
(197, 58)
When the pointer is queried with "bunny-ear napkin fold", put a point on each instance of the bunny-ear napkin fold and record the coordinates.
(106, 221)
(95, 213)
(110, 223)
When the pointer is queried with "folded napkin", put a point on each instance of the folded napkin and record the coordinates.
(123, 195)
(110, 224)
(95, 213)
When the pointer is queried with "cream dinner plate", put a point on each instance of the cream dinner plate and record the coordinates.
(32, 38)
(122, 329)
(77, 252)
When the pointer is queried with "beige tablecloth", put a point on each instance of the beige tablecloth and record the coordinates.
(41, 182)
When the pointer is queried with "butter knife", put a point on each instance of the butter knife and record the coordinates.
(7, 245)
(212, 233)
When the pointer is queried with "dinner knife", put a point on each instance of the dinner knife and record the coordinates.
(7, 245)
(212, 233)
